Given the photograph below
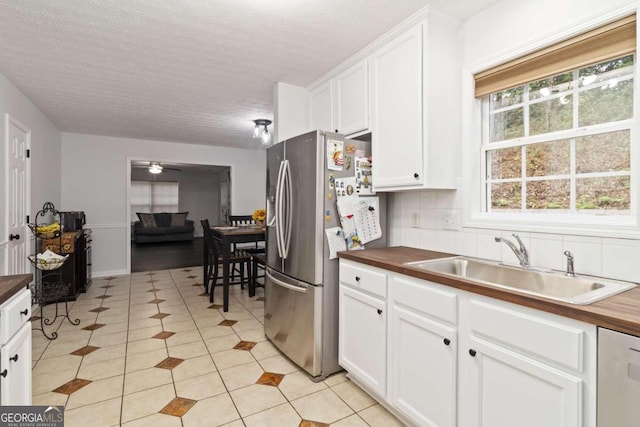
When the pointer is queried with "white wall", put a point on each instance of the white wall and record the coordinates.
(510, 26)
(200, 195)
(95, 176)
(291, 115)
(45, 155)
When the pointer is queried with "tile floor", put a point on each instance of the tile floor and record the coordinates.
(152, 351)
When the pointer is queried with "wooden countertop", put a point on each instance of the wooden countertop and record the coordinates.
(10, 285)
(620, 312)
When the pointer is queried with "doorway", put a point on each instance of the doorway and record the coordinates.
(15, 188)
(193, 191)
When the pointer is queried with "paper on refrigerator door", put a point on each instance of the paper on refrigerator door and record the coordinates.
(335, 239)
(335, 155)
(367, 216)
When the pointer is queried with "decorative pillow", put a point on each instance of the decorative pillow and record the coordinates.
(178, 219)
(147, 220)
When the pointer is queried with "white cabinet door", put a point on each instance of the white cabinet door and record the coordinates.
(15, 368)
(396, 90)
(321, 106)
(363, 338)
(507, 389)
(422, 378)
(352, 99)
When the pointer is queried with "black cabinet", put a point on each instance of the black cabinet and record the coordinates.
(76, 271)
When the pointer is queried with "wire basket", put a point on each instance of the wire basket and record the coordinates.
(47, 264)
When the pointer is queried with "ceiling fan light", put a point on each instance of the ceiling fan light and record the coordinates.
(256, 132)
(155, 168)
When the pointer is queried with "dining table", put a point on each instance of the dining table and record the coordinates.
(229, 235)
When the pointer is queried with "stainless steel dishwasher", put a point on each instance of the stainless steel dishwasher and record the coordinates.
(618, 379)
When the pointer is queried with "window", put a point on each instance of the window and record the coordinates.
(153, 196)
(561, 143)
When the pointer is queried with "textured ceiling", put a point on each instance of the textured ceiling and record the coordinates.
(191, 71)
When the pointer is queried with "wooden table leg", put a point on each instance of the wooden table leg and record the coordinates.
(226, 250)
(205, 265)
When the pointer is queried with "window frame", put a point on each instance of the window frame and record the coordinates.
(475, 214)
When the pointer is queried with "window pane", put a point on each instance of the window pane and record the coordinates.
(506, 98)
(551, 85)
(549, 158)
(548, 194)
(165, 193)
(613, 69)
(606, 104)
(604, 193)
(506, 125)
(605, 152)
(551, 116)
(505, 163)
(506, 195)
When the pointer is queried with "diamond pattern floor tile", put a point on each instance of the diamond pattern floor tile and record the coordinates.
(72, 386)
(83, 351)
(169, 363)
(227, 323)
(163, 335)
(245, 345)
(159, 316)
(255, 385)
(94, 326)
(178, 406)
(269, 378)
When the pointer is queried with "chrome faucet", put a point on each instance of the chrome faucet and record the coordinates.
(570, 272)
(521, 253)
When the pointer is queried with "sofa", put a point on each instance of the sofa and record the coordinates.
(162, 227)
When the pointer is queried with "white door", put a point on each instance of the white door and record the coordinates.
(17, 142)
(15, 365)
(396, 82)
(422, 382)
(509, 389)
(363, 337)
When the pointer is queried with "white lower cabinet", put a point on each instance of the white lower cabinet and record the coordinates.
(15, 368)
(423, 352)
(363, 338)
(508, 389)
(15, 349)
(459, 359)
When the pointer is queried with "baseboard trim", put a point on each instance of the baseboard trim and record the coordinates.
(109, 273)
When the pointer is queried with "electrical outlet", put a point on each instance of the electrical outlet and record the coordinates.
(415, 220)
(450, 220)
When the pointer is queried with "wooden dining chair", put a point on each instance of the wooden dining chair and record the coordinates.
(239, 261)
(258, 264)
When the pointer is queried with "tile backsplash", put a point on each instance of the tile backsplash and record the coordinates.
(598, 256)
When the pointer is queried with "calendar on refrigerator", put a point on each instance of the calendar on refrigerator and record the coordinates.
(367, 216)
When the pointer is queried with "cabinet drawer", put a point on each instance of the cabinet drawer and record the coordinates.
(538, 336)
(14, 313)
(426, 297)
(363, 278)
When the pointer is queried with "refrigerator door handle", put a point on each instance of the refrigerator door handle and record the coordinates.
(286, 285)
(286, 239)
(277, 218)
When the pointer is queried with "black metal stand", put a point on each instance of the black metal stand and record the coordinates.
(53, 289)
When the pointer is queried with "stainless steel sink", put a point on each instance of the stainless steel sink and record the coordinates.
(545, 283)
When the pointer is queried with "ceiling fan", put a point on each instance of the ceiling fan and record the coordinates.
(157, 167)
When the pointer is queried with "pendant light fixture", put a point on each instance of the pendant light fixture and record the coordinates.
(261, 131)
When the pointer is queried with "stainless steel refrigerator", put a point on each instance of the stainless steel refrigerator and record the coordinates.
(301, 288)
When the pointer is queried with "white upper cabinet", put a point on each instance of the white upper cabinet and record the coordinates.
(321, 106)
(415, 80)
(396, 88)
(351, 99)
